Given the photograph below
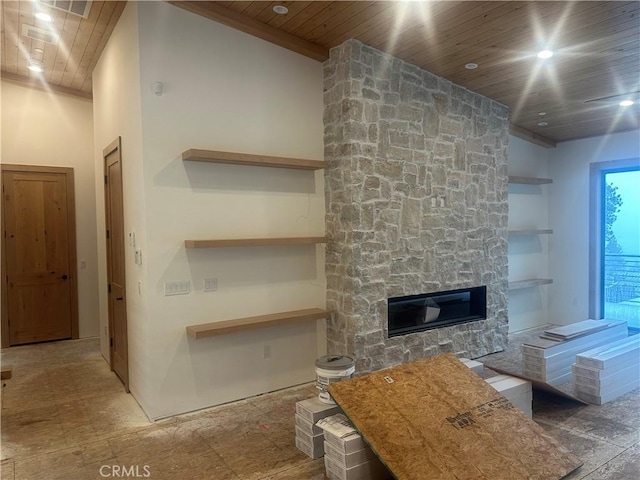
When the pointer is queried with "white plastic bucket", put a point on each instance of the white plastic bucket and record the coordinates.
(331, 369)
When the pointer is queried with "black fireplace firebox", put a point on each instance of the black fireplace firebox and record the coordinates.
(416, 313)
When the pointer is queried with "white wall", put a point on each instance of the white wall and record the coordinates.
(53, 129)
(117, 112)
(569, 165)
(223, 90)
(528, 254)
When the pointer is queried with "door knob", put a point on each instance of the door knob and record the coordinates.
(63, 277)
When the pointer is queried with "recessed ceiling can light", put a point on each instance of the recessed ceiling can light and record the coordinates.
(626, 103)
(545, 54)
(543, 124)
(542, 114)
(35, 67)
(471, 66)
(281, 9)
(38, 50)
(45, 17)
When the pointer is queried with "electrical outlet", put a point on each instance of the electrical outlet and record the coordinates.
(267, 351)
(210, 284)
(177, 288)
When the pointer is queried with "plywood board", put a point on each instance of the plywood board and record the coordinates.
(435, 419)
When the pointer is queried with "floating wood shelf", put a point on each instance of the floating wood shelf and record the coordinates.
(263, 321)
(194, 155)
(529, 180)
(531, 231)
(253, 242)
(533, 282)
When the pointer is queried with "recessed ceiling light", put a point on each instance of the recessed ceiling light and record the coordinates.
(542, 114)
(281, 9)
(626, 103)
(545, 54)
(35, 67)
(542, 124)
(45, 17)
(38, 50)
(471, 66)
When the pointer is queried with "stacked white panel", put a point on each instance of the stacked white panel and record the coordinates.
(549, 360)
(603, 374)
(516, 390)
(474, 365)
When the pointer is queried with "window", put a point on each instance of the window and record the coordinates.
(614, 264)
(620, 245)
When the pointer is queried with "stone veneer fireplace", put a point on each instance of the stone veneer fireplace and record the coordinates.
(416, 197)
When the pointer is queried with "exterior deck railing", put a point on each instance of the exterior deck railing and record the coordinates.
(621, 278)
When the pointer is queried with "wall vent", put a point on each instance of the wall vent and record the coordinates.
(75, 7)
(40, 34)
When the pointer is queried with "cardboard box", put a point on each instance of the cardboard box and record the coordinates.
(371, 470)
(348, 460)
(349, 444)
(314, 440)
(309, 450)
(307, 426)
(313, 409)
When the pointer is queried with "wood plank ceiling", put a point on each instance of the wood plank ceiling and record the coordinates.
(67, 64)
(596, 49)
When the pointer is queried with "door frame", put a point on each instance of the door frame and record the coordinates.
(73, 268)
(114, 146)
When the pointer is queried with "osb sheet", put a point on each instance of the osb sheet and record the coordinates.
(436, 419)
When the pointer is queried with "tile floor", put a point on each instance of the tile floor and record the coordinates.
(66, 416)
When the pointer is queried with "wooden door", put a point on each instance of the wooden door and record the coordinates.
(39, 255)
(114, 214)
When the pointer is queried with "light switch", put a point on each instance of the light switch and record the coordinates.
(210, 284)
(182, 287)
(138, 257)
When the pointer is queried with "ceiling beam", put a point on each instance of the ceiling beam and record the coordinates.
(43, 85)
(530, 136)
(231, 18)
